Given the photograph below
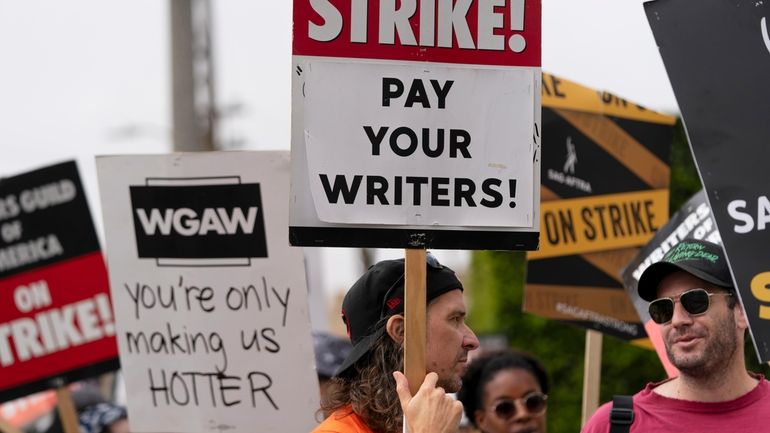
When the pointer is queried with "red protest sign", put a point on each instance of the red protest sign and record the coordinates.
(56, 318)
(489, 32)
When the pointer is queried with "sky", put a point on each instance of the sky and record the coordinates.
(91, 77)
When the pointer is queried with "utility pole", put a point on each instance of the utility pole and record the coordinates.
(192, 76)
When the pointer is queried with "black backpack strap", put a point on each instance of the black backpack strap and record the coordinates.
(622, 414)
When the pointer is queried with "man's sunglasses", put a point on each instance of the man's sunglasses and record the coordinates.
(534, 402)
(695, 302)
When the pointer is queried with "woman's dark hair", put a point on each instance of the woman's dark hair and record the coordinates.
(483, 369)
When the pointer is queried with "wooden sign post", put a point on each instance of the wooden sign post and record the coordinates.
(414, 317)
(592, 374)
(66, 408)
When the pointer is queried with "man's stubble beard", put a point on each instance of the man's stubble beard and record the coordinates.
(450, 384)
(716, 354)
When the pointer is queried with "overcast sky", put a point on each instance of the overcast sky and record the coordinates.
(89, 77)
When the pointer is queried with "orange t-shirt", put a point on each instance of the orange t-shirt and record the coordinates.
(343, 420)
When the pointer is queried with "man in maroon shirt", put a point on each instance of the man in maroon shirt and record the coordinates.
(703, 326)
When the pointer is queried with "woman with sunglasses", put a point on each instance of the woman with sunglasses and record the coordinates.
(504, 392)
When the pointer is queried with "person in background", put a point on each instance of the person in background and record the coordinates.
(693, 300)
(95, 413)
(82, 397)
(505, 391)
(363, 395)
(330, 352)
(103, 418)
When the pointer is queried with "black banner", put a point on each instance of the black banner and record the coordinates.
(717, 54)
(199, 221)
(44, 218)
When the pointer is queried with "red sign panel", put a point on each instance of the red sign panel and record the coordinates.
(484, 32)
(55, 319)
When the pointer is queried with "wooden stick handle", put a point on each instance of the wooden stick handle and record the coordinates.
(592, 373)
(414, 317)
(67, 412)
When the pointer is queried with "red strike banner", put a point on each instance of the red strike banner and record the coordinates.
(484, 32)
(55, 319)
(55, 314)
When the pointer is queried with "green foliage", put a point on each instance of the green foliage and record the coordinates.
(752, 362)
(684, 176)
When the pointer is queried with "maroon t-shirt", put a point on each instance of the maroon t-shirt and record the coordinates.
(654, 413)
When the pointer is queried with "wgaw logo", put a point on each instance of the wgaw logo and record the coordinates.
(186, 221)
(198, 221)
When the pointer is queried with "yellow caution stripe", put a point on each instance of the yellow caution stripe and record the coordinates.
(558, 92)
(621, 145)
(598, 223)
(644, 343)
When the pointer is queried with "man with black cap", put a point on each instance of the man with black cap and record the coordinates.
(364, 397)
(693, 299)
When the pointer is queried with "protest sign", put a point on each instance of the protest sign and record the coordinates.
(692, 221)
(725, 103)
(211, 302)
(24, 410)
(416, 125)
(56, 319)
(604, 194)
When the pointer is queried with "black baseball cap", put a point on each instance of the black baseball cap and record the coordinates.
(705, 260)
(378, 294)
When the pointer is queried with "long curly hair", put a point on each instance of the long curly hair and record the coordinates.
(369, 386)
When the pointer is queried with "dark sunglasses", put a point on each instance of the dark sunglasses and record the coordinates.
(695, 302)
(534, 402)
